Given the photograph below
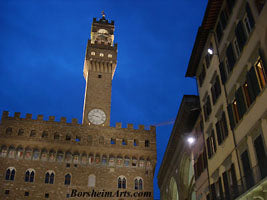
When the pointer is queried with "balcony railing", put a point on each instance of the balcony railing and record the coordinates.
(250, 179)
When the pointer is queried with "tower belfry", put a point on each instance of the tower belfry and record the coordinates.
(99, 68)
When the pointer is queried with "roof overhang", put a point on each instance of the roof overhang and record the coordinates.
(208, 24)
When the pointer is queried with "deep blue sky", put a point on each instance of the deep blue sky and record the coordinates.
(42, 49)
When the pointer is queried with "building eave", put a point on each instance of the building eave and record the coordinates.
(208, 24)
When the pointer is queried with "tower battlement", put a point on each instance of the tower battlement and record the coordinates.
(74, 121)
(40, 118)
(103, 20)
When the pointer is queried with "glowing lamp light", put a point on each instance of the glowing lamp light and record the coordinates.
(210, 51)
(190, 140)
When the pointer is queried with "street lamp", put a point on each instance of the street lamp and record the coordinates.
(210, 51)
(190, 140)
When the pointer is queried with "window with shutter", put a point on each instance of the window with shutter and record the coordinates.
(213, 191)
(213, 141)
(230, 57)
(223, 19)
(235, 111)
(224, 125)
(240, 35)
(246, 94)
(261, 155)
(241, 106)
(263, 60)
(231, 4)
(261, 73)
(219, 32)
(250, 88)
(234, 191)
(253, 80)
(219, 135)
(222, 72)
(250, 16)
(231, 116)
(226, 185)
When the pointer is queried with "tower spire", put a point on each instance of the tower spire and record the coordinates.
(103, 14)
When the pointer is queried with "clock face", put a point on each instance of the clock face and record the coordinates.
(97, 116)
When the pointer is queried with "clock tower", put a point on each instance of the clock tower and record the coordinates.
(99, 68)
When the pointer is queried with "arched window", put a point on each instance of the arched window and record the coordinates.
(9, 131)
(29, 175)
(36, 154)
(104, 160)
(138, 183)
(60, 156)
(68, 157)
(10, 173)
(21, 132)
(11, 152)
(124, 142)
(91, 180)
(52, 177)
(68, 137)
(49, 177)
(44, 134)
(119, 182)
(126, 161)
(33, 133)
(44, 155)
(32, 176)
(67, 179)
(20, 152)
(3, 151)
(122, 182)
(84, 158)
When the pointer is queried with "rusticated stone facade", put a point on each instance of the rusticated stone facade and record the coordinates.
(59, 160)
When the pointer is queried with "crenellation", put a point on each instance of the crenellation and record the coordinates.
(63, 119)
(40, 117)
(17, 115)
(74, 121)
(51, 118)
(118, 125)
(141, 127)
(5, 114)
(28, 116)
(130, 126)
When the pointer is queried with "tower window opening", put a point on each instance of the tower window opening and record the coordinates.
(124, 142)
(101, 55)
(112, 141)
(146, 143)
(78, 139)
(99, 76)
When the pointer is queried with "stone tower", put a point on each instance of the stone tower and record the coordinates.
(48, 159)
(99, 67)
